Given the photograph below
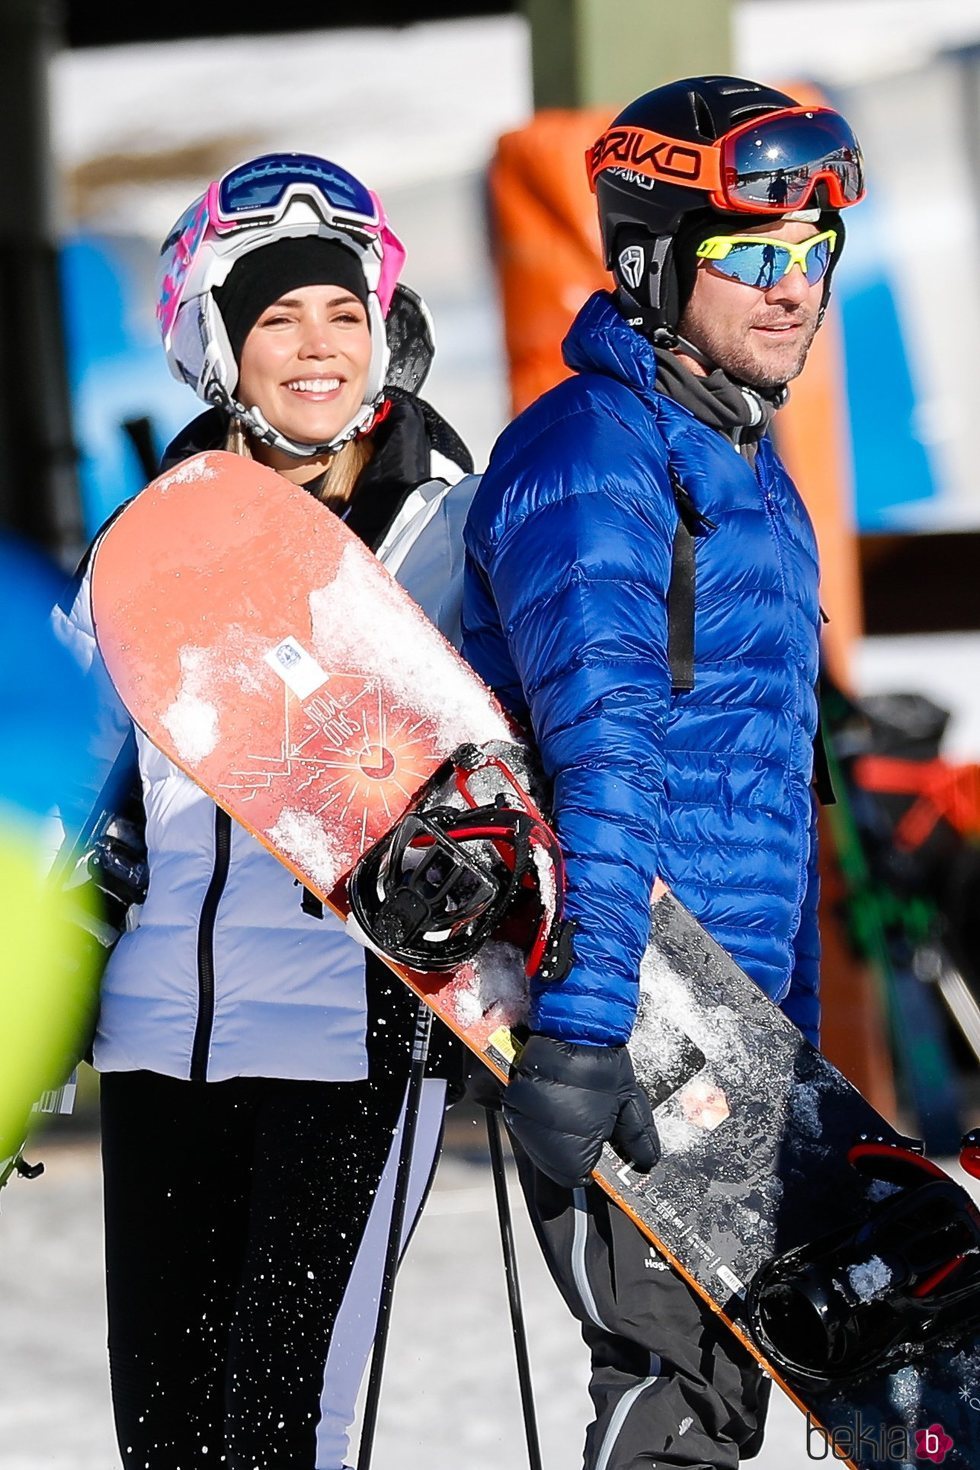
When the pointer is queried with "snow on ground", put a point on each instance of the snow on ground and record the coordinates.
(450, 1395)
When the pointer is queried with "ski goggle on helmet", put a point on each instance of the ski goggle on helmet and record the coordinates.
(769, 165)
(274, 197)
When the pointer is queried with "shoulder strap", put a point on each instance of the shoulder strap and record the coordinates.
(823, 774)
(680, 610)
(682, 588)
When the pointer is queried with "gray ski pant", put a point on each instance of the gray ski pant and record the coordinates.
(670, 1384)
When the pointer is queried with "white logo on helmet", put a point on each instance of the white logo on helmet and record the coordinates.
(631, 264)
(630, 176)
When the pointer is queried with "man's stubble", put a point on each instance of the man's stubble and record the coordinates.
(733, 352)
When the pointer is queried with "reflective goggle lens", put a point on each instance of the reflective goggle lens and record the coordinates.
(775, 162)
(261, 186)
(761, 263)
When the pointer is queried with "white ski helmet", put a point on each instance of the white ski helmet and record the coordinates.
(277, 196)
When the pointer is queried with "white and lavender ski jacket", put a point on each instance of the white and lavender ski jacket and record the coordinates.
(225, 974)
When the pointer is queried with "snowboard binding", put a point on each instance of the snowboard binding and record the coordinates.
(855, 1301)
(459, 868)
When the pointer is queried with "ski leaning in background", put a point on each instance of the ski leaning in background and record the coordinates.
(906, 833)
(312, 700)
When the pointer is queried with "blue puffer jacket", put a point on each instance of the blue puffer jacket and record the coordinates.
(568, 562)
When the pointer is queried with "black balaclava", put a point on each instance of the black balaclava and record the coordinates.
(262, 276)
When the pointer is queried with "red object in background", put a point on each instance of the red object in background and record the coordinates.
(938, 790)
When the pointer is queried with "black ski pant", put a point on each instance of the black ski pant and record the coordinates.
(670, 1384)
(246, 1223)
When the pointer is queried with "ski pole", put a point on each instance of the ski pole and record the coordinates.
(513, 1289)
(420, 1052)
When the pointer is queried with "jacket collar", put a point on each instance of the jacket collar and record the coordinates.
(601, 340)
(405, 434)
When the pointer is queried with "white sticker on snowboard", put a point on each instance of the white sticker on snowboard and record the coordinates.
(297, 669)
(731, 1280)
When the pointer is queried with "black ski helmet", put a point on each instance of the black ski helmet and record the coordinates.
(643, 219)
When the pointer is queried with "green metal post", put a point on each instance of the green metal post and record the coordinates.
(596, 53)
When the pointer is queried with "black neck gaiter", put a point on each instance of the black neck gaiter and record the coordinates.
(742, 414)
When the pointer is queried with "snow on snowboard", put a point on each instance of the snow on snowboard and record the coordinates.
(272, 658)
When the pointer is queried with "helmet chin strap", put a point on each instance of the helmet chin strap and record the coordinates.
(258, 424)
(690, 350)
(649, 321)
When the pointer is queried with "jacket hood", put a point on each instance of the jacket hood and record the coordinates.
(601, 340)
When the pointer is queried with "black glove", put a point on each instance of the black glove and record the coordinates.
(564, 1101)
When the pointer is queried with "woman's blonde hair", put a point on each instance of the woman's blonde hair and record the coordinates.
(343, 470)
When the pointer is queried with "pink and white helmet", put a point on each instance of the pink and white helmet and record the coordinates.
(257, 203)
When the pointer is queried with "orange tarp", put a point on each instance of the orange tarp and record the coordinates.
(546, 242)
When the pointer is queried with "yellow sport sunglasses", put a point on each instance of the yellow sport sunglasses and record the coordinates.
(760, 261)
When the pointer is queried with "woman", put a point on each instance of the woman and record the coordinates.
(253, 1071)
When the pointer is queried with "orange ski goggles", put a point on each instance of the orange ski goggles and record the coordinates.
(770, 165)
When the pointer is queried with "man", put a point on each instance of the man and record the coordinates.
(642, 592)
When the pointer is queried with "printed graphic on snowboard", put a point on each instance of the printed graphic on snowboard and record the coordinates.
(357, 761)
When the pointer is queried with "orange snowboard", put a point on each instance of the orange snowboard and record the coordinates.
(285, 704)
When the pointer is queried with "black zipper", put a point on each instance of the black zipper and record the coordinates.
(205, 946)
